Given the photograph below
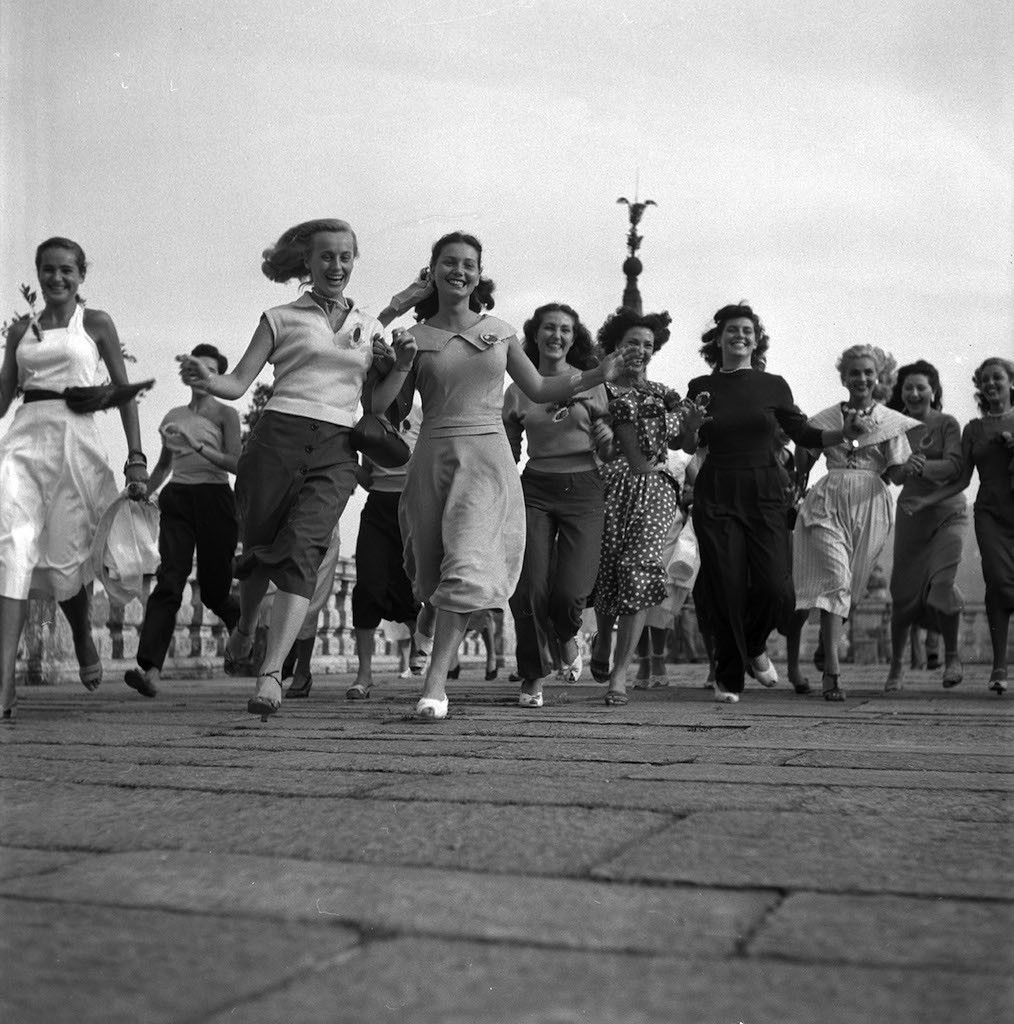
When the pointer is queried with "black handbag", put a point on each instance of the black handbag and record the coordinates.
(374, 436)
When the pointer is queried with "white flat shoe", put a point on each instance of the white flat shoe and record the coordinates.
(529, 700)
(724, 696)
(763, 671)
(430, 708)
(572, 672)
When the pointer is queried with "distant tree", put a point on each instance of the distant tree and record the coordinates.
(259, 399)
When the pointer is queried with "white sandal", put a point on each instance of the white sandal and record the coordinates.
(429, 708)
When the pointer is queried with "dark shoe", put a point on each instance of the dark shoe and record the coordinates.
(138, 680)
(803, 686)
(831, 690)
(238, 664)
(453, 673)
(615, 699)
(953, 673)
(932, 662)
(357, 692)
(491, 674)
(300, 687)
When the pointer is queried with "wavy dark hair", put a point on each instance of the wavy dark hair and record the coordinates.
(286, 259)
(581, 353)
(480, 299)
(977, 378)
(624, 319)
(210, 352)
(711, 349)
(927, 370)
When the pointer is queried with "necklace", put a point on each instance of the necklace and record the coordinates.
(330, 305)
(722, 369)
(997, 415)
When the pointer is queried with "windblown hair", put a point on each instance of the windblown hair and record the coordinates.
(286, 259)
(63, 243)
(624, 319)
(210, 352)
(581, 353)
(711, 349)
(480, 299)
(883, 362)
(927, 370)
(977, 378)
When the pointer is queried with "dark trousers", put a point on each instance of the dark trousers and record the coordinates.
(744, 588)
(382, 589)
(564, 513)
(192, 515)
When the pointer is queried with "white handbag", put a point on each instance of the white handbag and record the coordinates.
(125, 549)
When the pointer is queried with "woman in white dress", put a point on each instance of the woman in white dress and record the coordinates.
(846, 517)
(54, 477)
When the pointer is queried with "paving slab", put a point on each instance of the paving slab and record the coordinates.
(887, 931)
(559, 840)
(550, 912)
(16, 863)
(70, 964)
(434, 982)
(825, 853)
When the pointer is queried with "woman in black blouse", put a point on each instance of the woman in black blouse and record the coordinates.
(745, 583)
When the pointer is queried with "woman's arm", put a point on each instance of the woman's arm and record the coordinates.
(228, 458)
(388, 388)
(558, 389)
(910, 504)
(9, 369)
(512, 422)
(626, 438)
(101, 327)
(233, 385)
(163, 468)
(408, 298)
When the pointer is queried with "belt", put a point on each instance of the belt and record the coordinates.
(42, 395)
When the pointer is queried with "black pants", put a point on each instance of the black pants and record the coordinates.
(564, 515)
(192, 515)
(382, 589)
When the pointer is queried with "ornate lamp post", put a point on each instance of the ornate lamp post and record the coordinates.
(632, 266)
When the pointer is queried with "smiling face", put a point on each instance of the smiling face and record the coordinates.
(456, 270)
(554, 336)
(917, 394)
(737, 342)
(642, 341)
(330, 262)
(995, 384)
(859, 375)
(60, 276)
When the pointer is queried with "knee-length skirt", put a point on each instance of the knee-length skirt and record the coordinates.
(462, 517)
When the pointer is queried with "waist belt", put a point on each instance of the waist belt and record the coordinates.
(42, 395)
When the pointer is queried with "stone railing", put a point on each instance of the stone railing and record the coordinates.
(46, 653)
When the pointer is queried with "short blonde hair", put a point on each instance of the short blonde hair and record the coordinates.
(883, 362)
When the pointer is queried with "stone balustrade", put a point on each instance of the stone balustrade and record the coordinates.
(46, 654)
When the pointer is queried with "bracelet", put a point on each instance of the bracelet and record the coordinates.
(137, 453)
(130, 464)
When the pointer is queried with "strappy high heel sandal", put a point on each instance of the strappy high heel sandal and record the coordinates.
(238, 664)
(833, 692)
(266, 703)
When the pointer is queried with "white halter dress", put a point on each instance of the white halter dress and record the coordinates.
(55, 481)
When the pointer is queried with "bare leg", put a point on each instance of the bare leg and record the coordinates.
(628, 632)
(364, 654)
(792, 641)
(899, 641)
(251, 593)
(954, 672)
(643, 652)
(77, 609)
(602, 646)
(449, 631)
(656, 644)
(287, 616)
(13, 615)
(830, 631)
(998, 618)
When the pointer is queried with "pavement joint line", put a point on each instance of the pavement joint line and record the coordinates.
(742, 944)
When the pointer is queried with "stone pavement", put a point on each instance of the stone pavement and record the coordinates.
(780, 860)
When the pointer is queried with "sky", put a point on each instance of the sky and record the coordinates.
(846, 168)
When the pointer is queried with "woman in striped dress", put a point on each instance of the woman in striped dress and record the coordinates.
(845, 519)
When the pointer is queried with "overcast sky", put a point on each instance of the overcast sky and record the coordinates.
(845, 167)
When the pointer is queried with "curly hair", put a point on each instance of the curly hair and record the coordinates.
(617, 324)
(63, 243)
(927, 370)
(286, 259)
(1007, 365)
(581, 353)
(210, 352)
(711, 349)
(883, 363)
(480, 299)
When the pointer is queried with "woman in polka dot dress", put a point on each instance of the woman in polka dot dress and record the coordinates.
(641, 495)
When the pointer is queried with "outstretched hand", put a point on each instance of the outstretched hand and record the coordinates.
(617, 363)
(194, 373)
(692, 417)
(411, 296)
(405, 348)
